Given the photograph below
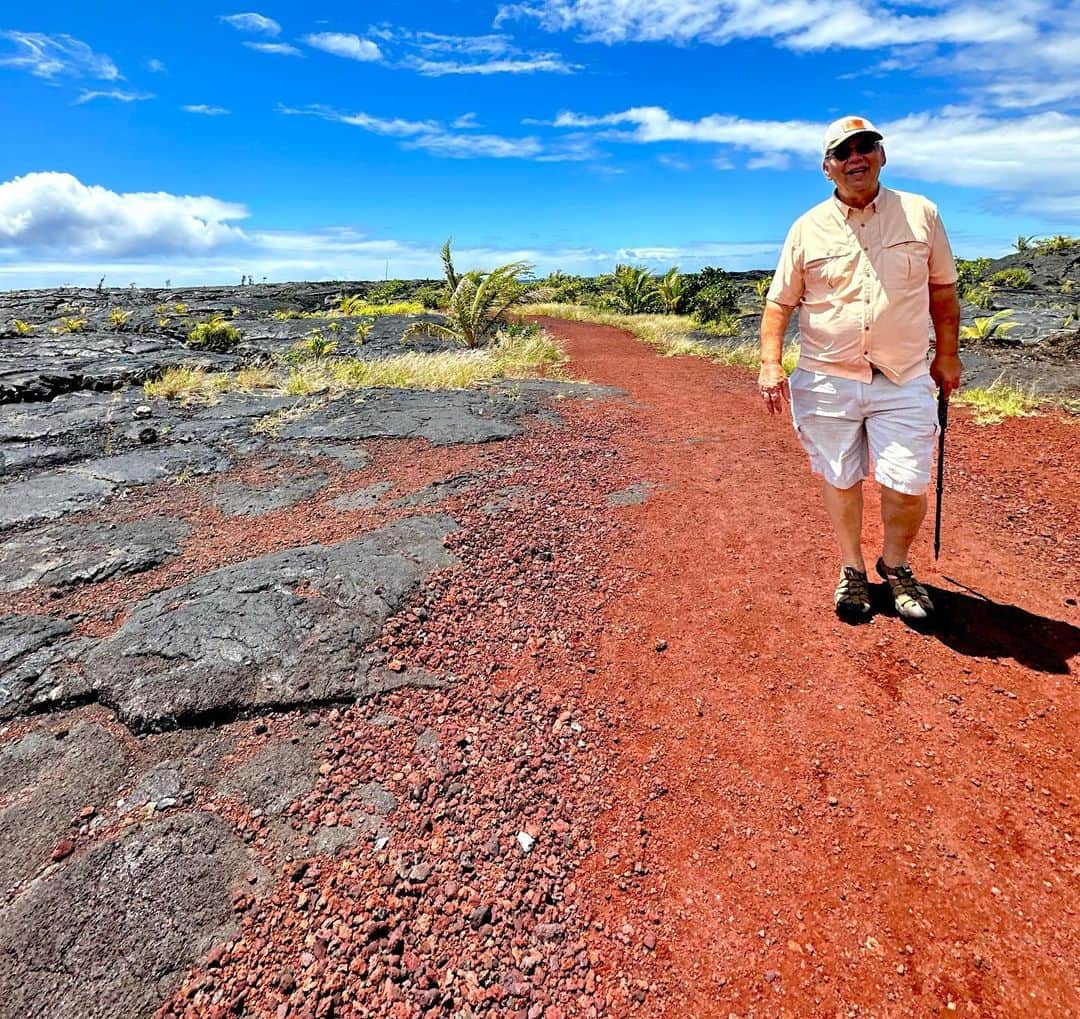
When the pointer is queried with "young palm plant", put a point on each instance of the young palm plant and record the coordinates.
(989, 328)
(635, 289)
(672, 291)
(478, 301)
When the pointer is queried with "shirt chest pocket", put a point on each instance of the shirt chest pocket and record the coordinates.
(828, 268)
(906, 264)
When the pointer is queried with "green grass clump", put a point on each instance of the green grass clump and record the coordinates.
(23, 328)
(1018, 276)
(214, 334)
(185, 384)
(118, 318)
(998, 401)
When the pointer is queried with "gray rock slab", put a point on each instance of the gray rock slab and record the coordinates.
(234, 498)
(44, 782)
(35, 669)
(64, 555)
(362, 498)
(441, 418)
(243, 639)
(111, 933)
(56, 492)
(279, 773)
(444, 488)
(348, 456)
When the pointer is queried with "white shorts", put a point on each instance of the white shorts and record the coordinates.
(845, 424)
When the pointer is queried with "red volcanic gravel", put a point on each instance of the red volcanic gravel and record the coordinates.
(664, 779)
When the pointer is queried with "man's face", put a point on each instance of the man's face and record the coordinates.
(856, 176)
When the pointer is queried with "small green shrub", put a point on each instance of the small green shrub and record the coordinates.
(314, 348)
(761, 289)
(430, 297)
(1056, 245)
(118, 318)
(214, 334)
(1023, 243)
(71, 324)
(715, 301)
(969, 271)
(23, 328)
(387, 292)
(1018, 276)
(363, 328)
(981, 295)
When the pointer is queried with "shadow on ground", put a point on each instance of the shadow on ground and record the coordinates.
(974, 625)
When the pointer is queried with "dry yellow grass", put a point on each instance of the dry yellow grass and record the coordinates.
(669, 335)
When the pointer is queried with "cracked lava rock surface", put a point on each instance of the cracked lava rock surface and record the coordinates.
(531, 714)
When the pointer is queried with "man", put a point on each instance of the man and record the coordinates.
(868, 269)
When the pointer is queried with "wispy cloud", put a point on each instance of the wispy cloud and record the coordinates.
(43, 213)
(548, 62)
(117, 95)
(251, 22)
(796, 24)
(55, 56)
(344, 44)
(155, 66)
(442, 140)
(206, 111)
(436, 54)
(281, 49)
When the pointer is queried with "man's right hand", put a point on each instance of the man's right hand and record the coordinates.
(773, 386)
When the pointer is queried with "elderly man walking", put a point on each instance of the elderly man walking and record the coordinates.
(869, 269)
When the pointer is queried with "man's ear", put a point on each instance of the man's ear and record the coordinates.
(825, 168)
(883, 159)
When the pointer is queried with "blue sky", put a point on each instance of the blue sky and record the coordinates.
(147, 142)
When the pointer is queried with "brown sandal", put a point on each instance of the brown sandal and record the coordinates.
(909, 596)
(852, 597)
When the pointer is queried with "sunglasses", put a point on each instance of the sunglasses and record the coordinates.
(864, 146)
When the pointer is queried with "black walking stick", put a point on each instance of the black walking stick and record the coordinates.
(943, 421)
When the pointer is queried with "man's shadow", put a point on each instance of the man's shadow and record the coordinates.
(972, 624)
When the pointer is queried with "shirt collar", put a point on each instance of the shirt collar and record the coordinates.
(846, 210)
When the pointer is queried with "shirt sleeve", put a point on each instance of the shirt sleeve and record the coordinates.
(787, 283)
(942, 264)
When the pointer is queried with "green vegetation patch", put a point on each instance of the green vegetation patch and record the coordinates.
(998, 401)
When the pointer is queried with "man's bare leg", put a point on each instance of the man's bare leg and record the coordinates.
(844, 507)
(902, 516)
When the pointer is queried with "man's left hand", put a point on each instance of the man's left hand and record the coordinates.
(945, 370)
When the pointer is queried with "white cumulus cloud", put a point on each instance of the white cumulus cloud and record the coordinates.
(55, 213)
(344, 44)
(252, 22)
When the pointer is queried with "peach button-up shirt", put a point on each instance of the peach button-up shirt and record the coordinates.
(861, 281)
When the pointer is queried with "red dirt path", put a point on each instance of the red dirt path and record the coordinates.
(835, 819)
